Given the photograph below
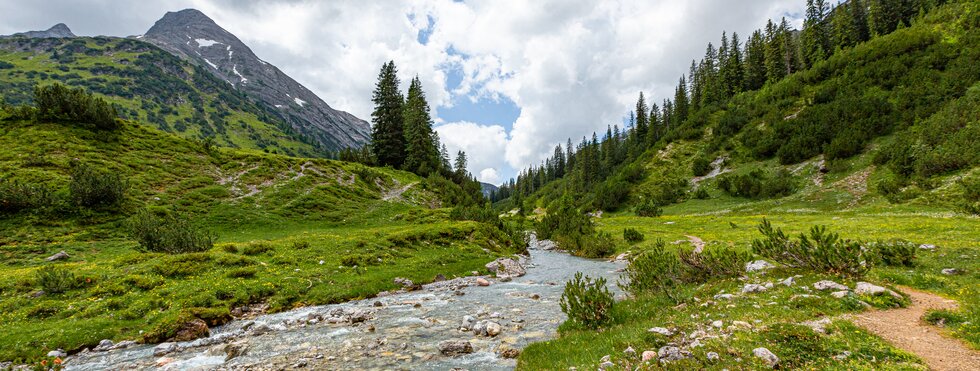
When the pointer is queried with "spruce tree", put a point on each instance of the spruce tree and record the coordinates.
(388, 135)
(680, 102)
(814, 38)
(733, 75)
(461, 164)
(859, 15)
(641, 118)
(755, 61)
(422, 151)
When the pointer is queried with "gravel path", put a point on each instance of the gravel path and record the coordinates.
(906, 329)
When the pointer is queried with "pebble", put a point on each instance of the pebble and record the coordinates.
(164, 349)
(951, 271)
(482, 282)
(57, 353)
(829, 285)
(752, 288)
(648, 355)
(661, 330)
(712, 356)
(927, 246)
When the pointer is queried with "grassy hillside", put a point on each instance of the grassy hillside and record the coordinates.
(877, 143)
(290, 232)
(149, 86)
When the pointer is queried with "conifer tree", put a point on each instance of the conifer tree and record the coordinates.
(755, 61)
(422, 150)
(461, 164)
(444, 156)
(694, 87)
(775, 55)
(859, 15)
(641, 118)
(842, 27)
(791, 48)
(732, 73)
(388, 135)
(680, 102)
(814, 40)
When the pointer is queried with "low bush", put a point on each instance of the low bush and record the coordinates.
(701, 165)
(168, 234)
(93, 187)
(821, 251)
(54, 279)
(16, 197)
(482, 214)
(722, 262)
(648, 209)
(587, 301)
(653, 271)
(632, 235)
(759, 184)
(256, 248)
(701, 194)
(243, 272)
(57, 102)
(971, 195)
(893, 253)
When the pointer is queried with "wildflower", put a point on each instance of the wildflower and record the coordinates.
(57, 361)
(44, 362)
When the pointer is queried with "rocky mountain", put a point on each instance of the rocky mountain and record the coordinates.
(488, 188)
(194, 37)
(59, 30)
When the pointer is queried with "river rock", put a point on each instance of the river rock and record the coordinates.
(103, 346)
(234, 350)
(455, 347)
(507, 268)
(404, 282)
(467, 323)
(829, 285)
(509, 352)
(482, 282)
(767, 356)
(61, 255)
(57, 353)
(439, 278)
(672, 353)
(163, 349)
(191, 330)
(758, 265)
(753, 288)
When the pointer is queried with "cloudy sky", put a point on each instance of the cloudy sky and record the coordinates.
(507, 80)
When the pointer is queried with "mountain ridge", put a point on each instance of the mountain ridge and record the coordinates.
(193, 36)
(59, 30)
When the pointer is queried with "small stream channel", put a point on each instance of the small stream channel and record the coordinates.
(399, 331)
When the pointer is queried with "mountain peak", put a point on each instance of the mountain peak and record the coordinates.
(59, 30)
(180, 19)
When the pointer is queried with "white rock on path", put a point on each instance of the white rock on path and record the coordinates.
(864, 288)
(767, 356)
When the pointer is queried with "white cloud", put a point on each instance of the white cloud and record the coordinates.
(489, 175)
(484, 146)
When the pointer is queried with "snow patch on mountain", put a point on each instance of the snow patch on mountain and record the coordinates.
(300, 102)
(204, 43)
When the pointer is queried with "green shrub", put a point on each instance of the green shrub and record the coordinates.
(16, 197)
(54, 279)
(632, 235)
(168, 234)
(893, 253)
(564, 219)
(301, 245)
(653, 271)
(482, 214)
(971, 195)
(758, 184)
(701, 165)
(701, 194)
(58, 103)
(243, 272)
(648, 208)
(587, 302)
(821, 251)
(797, 345)
(92, 187)
(256, 248)
(722, 262)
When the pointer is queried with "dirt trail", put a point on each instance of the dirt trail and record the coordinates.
(906, 330)
(395, 193)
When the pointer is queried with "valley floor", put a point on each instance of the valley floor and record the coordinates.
(719, 325)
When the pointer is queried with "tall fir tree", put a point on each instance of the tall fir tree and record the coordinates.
(791, 48)
(842, 29)
(814, 39)
(694, 87)
(732, 72)
(680, 102)
(642, 123)
(444, 157)
(775, 55)
(421, 143)
(388, 133)
(859, 15)
(755, 61)
(461, 164)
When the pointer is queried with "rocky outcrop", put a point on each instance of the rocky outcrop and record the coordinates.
(507, 267)
(191, 35)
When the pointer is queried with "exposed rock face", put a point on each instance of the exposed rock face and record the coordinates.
(59, 30)
(506, 268)
(193, 36)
